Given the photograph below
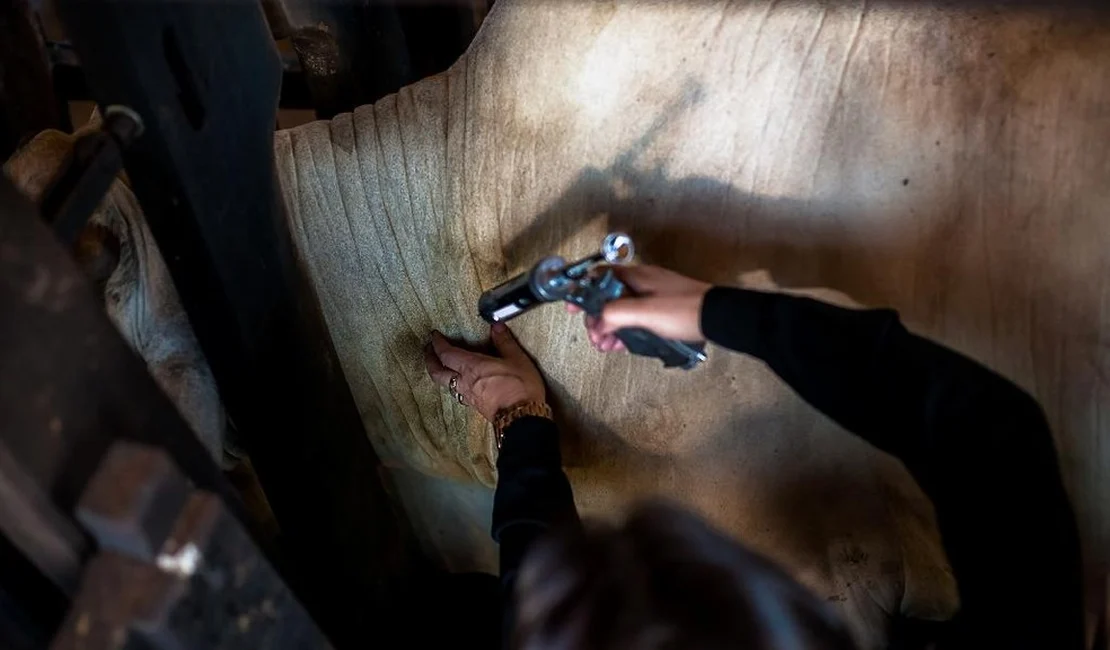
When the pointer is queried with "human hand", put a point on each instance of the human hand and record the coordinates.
(486, 383)
(666, 303)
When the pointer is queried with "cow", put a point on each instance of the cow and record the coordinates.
(947, 161)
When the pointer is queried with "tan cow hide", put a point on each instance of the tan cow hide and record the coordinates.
(950, 163)
(118, 252)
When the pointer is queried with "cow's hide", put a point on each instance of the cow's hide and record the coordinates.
(118, 252)
(951, 163)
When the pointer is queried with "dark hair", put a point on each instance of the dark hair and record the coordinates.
(663, 580)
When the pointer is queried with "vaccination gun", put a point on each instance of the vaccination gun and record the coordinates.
(589, 283)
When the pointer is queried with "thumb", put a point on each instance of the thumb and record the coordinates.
(505, 342)
(626, 312)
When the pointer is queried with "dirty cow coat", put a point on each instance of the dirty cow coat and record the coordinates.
(948, 162)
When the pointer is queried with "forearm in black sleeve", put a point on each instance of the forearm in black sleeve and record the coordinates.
(533, 494)
(977, 444)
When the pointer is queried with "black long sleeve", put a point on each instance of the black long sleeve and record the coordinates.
(533, 494)
(979, 446)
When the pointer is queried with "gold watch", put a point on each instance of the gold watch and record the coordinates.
(507, 416)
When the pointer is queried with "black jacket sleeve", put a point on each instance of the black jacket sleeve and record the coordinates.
(979, 447)
(532, 495)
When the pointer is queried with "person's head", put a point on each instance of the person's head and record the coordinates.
(664, 580)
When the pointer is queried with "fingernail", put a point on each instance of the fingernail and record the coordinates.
(499, 328)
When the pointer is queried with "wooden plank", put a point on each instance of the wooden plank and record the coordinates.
(175, 569)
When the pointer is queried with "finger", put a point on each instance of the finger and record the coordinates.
(506, 344)
(609, 343)
(600, 341)
(642, 278)
(453, 358)
(572, 308)
(436, 370)
(593, 333)
(626, 312)
(593, 324)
